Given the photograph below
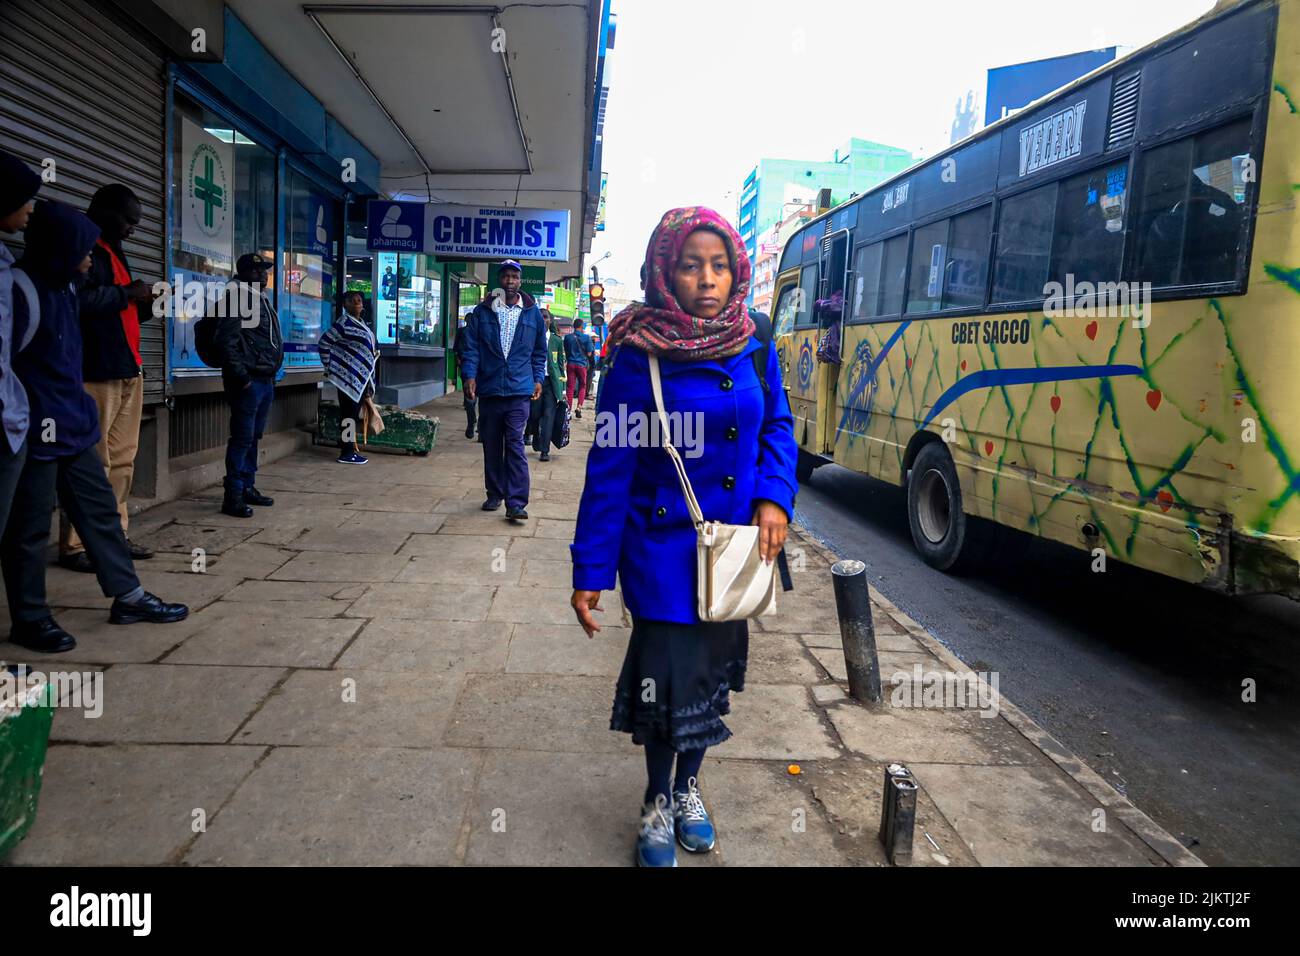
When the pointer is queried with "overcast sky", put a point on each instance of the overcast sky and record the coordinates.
(700, 90)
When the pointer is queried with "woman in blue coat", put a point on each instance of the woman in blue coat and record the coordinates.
(736, 435)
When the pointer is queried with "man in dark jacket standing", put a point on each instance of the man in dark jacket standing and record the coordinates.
(112, 307)
(61, 442)
(252, 350)
(505, 365)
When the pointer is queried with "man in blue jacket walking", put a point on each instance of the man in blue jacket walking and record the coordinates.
(504, 367)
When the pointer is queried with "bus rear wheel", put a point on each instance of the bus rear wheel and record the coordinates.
(941, 530)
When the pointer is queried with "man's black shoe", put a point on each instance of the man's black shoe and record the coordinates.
(43, 636)
(236, 508)
(516, 514)
(254, 497)
(544, 457)
(577, 413)
(469, 431)
(138, 551)
(148, 608)
(492, 504)
(80, 561)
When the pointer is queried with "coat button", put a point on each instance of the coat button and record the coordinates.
(661, 511)
(726, 384)
(733, 433)
(728, 482)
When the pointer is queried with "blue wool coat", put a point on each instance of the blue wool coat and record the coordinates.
(633, 522)
(497, 375)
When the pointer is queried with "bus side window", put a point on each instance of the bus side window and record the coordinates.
(1024, 252)
(929, 258)
(1089, 239)
(968, 259)
(1193, 199)
(805, 296)
(893, 275)
(867, 281)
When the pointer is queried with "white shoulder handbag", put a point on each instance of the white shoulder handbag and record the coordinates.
(733, 582)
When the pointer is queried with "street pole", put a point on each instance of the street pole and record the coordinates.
(857, 633)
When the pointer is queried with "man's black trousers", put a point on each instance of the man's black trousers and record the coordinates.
(85, 494)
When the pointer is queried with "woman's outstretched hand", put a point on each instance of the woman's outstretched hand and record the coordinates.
(772, 524)
(584, 602)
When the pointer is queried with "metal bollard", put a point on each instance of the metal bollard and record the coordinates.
(858, 634)
(898, 814)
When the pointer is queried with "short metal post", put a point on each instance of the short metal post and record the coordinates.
(898, 814)
(858, 634)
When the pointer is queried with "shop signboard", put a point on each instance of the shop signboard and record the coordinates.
(479, 232)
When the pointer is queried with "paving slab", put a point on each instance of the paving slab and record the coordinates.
(253, 640)
(917, 735)
(775, 722)
(488, 522)
(251, 559)
(167, 703)
(428, 647)
(213, 539)
(105, 643)
(326, 566)
(65, 588)
(354, 708)
(364, 522)
(440, 569)
(548, 549)
(350, 541)
(386, 807)
(423, 604)
(566, 649)
(779, 659)
(128, 805)
(475, 552)
(1028, 816)
(563, 714)
(541, 573)
(528, 605)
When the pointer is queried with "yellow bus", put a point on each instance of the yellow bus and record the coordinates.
(1081, 322)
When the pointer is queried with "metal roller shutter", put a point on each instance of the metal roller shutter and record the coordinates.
(79, 87)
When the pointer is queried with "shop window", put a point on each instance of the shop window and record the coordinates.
(307, 298)
(1193, 208)
(222, 206)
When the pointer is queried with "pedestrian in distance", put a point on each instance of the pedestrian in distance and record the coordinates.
(62, 436)
(113, 304)
(18, 188)
(505, 365)
(551, 402)
(470, 404)
(252, 351)
(349, 355)
(579, 354)
(634, 523)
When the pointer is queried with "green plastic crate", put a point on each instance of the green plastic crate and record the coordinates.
(410, 431)
(24, 735)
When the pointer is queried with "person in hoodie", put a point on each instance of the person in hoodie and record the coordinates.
(18, 187)
(505, 365)
(252, 350)
(62, 435)
(112, 306)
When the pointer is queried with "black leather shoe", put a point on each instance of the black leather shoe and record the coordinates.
(254, 497)
(492, 504)
(43, 636)
(544, 457)
(77, 562)
(236, 509)
(469, 432)
(148, 608)
(516, 514)
(138, 551)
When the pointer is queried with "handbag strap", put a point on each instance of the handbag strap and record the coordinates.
(692, 504)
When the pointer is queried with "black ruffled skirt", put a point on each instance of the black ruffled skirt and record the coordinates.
(676, 682)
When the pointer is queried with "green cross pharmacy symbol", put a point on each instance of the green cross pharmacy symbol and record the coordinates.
(208, 192)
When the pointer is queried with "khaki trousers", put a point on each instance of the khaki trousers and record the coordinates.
(120, 402)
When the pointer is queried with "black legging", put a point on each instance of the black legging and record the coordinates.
(348, 409)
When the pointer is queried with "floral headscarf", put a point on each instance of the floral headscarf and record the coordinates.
(660, 326)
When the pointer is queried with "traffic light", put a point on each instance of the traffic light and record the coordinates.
(596, 292)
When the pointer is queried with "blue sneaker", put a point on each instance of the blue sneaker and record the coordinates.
(654, 843)
(694, 829)
(352, 459)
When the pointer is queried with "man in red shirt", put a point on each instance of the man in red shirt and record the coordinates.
(112, 306)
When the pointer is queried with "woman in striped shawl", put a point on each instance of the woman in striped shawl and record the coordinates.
(347, 350)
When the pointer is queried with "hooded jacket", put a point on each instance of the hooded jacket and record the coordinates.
(64, 419)
(504, 376)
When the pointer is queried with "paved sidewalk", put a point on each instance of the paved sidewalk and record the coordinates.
(377, 672)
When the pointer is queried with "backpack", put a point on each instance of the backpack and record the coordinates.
(205, 341)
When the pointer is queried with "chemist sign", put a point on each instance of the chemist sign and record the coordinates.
(464, 232)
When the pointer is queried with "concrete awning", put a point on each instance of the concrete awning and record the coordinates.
(426, 88)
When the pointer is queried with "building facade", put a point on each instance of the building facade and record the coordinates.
(853, 169)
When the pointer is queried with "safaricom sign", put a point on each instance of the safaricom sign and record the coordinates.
(468, 231)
